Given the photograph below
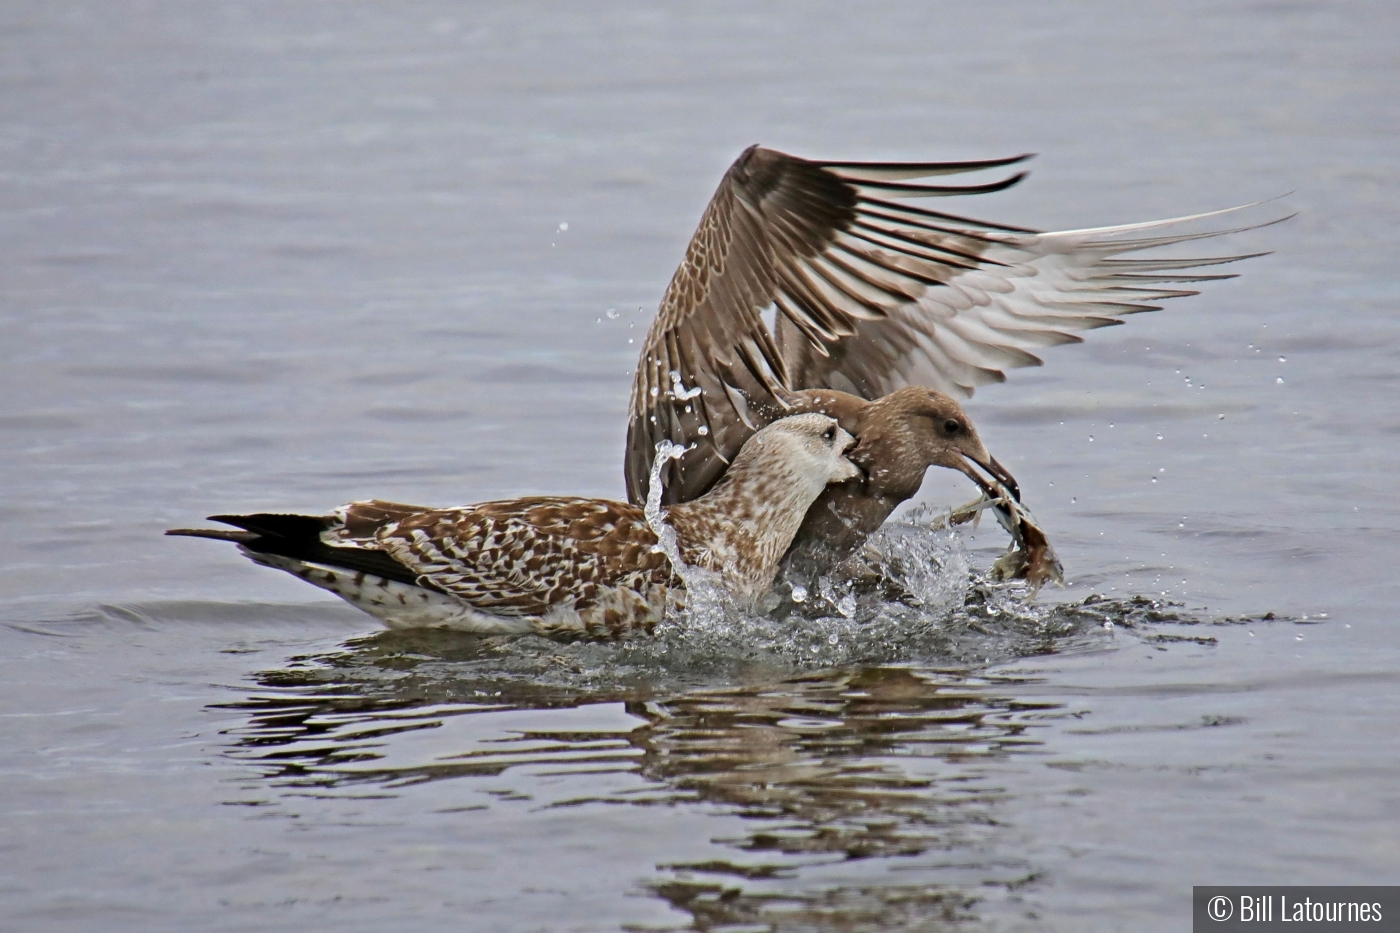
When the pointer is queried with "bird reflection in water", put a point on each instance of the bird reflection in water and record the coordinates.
(869, 797)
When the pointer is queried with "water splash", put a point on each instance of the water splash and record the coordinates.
(910, 593)
(708, 606)
(656, 518)
(895, 598)
(897, 601)
(678, 389)
(699, 583)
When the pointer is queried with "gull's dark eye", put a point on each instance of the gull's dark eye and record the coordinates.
(829, 434)
(952, 426)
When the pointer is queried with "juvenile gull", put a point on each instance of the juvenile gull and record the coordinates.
(869, 296)
(555, 564)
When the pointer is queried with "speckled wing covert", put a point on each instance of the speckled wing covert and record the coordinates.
(870, 295)
(521, 557)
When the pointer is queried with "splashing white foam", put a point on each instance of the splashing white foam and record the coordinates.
(923, 579)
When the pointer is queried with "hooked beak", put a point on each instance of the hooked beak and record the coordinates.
(1002, 483)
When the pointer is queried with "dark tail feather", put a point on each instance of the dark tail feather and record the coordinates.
(293, 527)
(301, 529)
(218, 534)
(299, 537)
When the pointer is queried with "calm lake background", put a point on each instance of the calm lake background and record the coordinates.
(278, 256)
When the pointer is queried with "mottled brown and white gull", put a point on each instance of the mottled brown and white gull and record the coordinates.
(869, 296)
(557, 565)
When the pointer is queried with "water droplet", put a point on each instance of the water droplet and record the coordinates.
(1220, 417)
(1283, 359)
(1108, 625)
(1091, 438)
(678, 389)
(1279, 380)
(630, 340)
(654, 390)
(799, 593)
(563, 225)
(1159, 437)
(704, 429)
(613, 314)
(833, 639)
(1110, 424)
(847, 607)
(1154, 479)
(1181, 525)
(1073, 499)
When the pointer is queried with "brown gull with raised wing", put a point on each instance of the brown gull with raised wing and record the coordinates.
(870, 297)
(555, 565)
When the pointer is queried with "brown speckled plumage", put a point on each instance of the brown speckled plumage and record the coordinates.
(554, 564)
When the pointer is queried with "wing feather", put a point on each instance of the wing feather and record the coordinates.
(870, 294)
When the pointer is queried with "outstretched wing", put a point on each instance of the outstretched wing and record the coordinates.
(869, 295)
(1029, 291)
(777, 231)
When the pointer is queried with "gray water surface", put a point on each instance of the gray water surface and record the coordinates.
(281, 256)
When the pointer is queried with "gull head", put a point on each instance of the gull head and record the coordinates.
(933, 429)
(813, 446)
